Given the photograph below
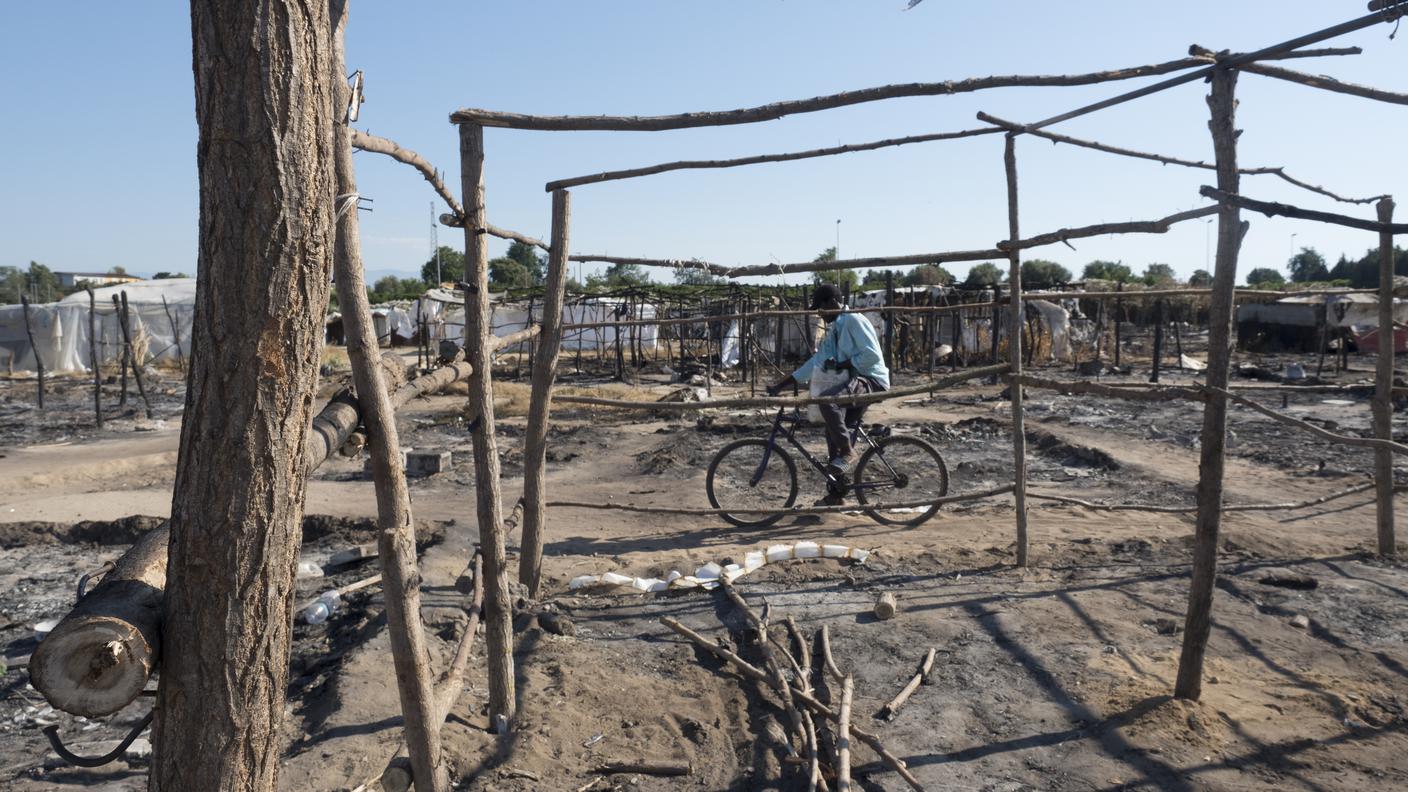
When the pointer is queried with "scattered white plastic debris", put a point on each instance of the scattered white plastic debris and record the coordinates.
(46, 626)
(709, 575)
(1192, 364)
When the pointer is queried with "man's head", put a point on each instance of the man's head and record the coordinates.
(826, 299)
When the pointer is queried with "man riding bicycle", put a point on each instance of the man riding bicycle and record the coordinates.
(850, 346)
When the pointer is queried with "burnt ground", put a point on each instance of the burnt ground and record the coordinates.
(1053, 677)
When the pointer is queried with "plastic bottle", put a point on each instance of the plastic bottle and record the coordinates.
(326, 606)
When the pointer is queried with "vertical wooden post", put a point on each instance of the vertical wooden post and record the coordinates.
(125, 356)
(175, 333)
(396, 529)
(535, 441)
(1014, 349)
(1099, 330)
(498, 614)
(1177, 341)
(996, 320)
(532, 347)
(34, 349)
(1119, 321)
(1230, 230)
(889, 316)
(132, 355)
(1158, 338)
(1383, 392)
(778, 339)
(93, 359)
(1321, 320)
(958, 345)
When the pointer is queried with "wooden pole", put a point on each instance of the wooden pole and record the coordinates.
(1178, 342)
(889, 318)
(996, 319)
(1383, 395)
(1158, 339)
(396, 529)
(535, 441)
(132, 355)
(498, 613)
(175, 333)
(1014, 348)
(93, 356)
(125, 357)
(1323, 335)
(34, 349)
(1119, 321)
(1230, 230)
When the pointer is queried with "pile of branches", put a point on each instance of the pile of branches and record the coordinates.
(816, 699)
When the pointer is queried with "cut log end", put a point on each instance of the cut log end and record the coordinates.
(886, 607)
(92, 666)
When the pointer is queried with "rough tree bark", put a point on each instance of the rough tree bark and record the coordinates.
(1383, 392)
(264, 107)
(396, 535)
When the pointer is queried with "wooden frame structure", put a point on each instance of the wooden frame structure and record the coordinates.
(146, 561)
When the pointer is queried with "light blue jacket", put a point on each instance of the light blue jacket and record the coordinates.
(850, 339)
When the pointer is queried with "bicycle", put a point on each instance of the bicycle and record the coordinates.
(894, 476)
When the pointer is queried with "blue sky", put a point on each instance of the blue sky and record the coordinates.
(99, 132)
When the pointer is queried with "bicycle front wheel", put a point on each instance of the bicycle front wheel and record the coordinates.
(748, 474)
(899, 471)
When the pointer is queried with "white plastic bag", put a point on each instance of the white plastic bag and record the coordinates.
(824, 380)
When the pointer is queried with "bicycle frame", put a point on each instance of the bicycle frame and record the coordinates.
(789, 432)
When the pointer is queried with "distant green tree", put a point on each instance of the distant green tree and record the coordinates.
(1308, 266)
(1200, 279)
(390, 288)
(534, 264)
(1043, 274)
(618, 276)
(169, 275)
(929, 275)
(508, 273)
(13, 284)
(691, 276)
(1107, 270)
(1265, 276)
(846, 279)
(118, 270)
(982, 276)
(879, 279)
(451, 267)
(1156, 274)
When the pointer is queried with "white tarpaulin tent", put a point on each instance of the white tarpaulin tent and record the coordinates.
(443, 311)
(61, 329)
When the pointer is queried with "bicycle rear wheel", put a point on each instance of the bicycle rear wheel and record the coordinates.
(900, 470)
(730, 481)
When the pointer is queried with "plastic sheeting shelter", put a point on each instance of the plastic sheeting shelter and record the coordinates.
(161, 330)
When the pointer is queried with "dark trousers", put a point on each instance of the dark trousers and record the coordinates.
(837, 417)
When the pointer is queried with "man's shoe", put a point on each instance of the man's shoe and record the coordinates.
(838, 467)
(831, 499)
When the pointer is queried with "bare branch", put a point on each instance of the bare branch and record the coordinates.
(776, 110)
(761, 158)
(1286, 210)
(1159, 226)
(380, 145)
(1325, 83)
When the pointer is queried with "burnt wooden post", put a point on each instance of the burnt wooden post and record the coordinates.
(535, 441)
(1323, 326)
(1383, 392)
(1158, 338)
(1119, 321)
(396, 529)
(1178, 341)
(931, 331)
(125, 356)
(890, 319)
(498, 613)
(1014, 348)
(93, 356)
(175, 333)
(1230, 230)
(996, 320)
(1099, 330)
(620, 357)
(778, 339)
(958, 335)
(131, 354)
(532, 348)
(34, 348)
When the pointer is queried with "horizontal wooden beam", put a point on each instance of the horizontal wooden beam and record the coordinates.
(1164, 159)
(1160, 226)
(1271, 209)
(776, 110)
(1325, 83)
(650, 170)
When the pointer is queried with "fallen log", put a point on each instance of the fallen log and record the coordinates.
(97, 660)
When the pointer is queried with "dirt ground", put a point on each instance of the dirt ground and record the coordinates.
(1053, 677)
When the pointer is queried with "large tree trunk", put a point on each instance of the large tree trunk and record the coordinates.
(264, 105)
